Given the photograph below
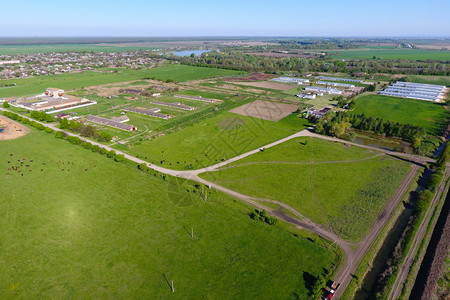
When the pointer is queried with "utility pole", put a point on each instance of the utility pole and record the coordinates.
(192, 232)
(173, 289)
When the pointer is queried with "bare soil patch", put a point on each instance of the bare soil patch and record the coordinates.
(270, 85)
(11, 130)
(272, 111)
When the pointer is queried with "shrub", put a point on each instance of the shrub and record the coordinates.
(88, 145)
(143, 167)
(6, 104)
(119, 158)
(74, 140)
(103, 151)
(49, 130)
(59, 135)
(111, 154)
(94, 148)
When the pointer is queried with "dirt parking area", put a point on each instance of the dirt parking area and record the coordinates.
(270, 85)
(10, 130)
(272, 111)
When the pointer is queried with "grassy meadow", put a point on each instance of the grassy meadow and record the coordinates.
(75, 224)
(70, 81)
(341, 187)
(428, 115)
(218, 138)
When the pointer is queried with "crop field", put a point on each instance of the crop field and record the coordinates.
(338, 186)
(393, 54)
(430, 116)
(33, 86)
(218, 138)
(439, 80)
(83, 226)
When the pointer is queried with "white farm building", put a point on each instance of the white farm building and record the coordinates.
(325, 90)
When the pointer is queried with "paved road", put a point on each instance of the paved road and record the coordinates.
(409, 259)
(352, 258)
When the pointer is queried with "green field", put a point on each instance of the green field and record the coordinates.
(218, 138)
(393, 54)
(341, 187)
(432, 117)
(439, 80)
(36, 85)
(79, 225)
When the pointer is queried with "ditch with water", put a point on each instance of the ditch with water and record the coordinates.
(370, 286)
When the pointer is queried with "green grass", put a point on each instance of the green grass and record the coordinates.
(393, 54)
(106, 230)
(36, 85)
(208, 142)
(432, 117)
(328, 182)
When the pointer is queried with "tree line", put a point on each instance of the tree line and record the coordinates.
(236, 60)
(336, 124)
(85, 130)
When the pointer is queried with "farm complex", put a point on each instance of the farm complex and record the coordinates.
(246, 169)
(52, 101)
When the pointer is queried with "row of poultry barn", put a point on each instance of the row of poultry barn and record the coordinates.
(119, 122)
(420, 91)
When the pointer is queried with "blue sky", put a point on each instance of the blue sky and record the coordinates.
(225, 18)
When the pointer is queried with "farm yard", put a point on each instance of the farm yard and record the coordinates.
(82, 226)
(430, 116)
(213, 140)
(343, 188)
